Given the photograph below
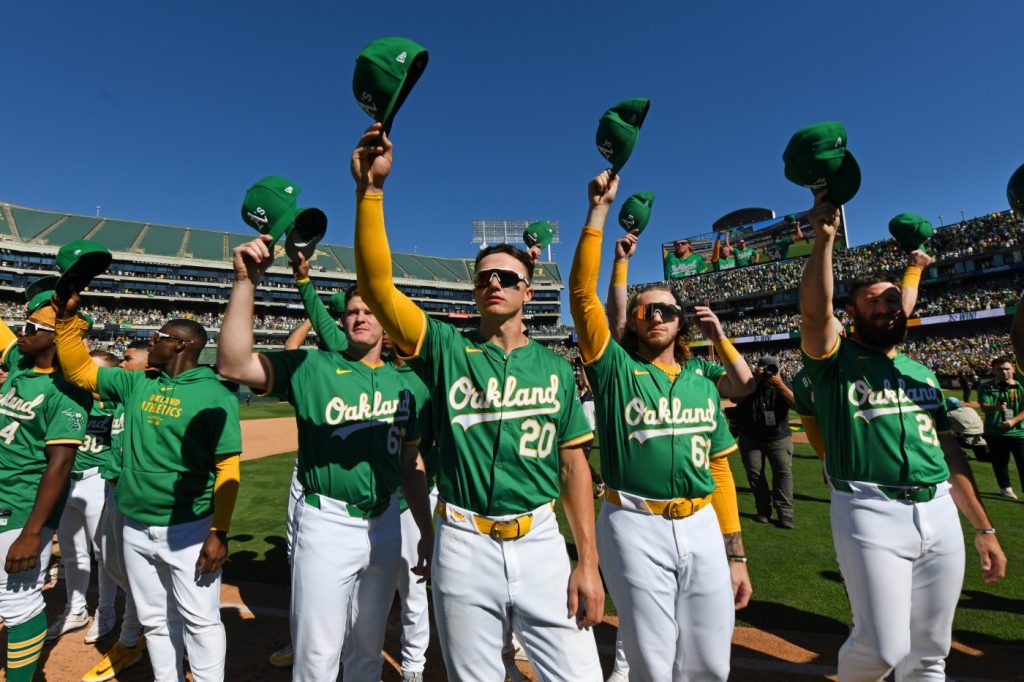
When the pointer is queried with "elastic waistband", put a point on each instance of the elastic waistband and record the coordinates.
(679, 508)
(84, 474)
(499, 528)
(329, 504)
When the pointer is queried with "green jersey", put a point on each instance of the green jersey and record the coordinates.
(111, 467)
(424, 416)
(175, 429)
(684, 267)
(658, 436)
(36, 409)
(500, 419)
(744, 256)
(352, 420)
(878, 416)
(725, 264)
(326, 328)
(781, 246)
(95, 449)
(803, 397)
(994, 393)
(705, 368)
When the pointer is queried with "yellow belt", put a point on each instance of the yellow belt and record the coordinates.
(509, 529)
(679, 508)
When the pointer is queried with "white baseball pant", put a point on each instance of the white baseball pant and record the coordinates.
(78, 534)
(21, 593)
(671, 585)
(482, 585)
(344, 572)
(415, 611)
(294, 495)
(110, 540)
(161, 563)
(903, 565)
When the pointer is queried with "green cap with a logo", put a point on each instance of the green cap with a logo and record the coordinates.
(269, 208)
(39, 301)
(78, 262)
(636, 212)
(1015, 191)
(618, 130)
(910, 230)
(539, 233)
(336, 304)
(816, 157)
(386, 70)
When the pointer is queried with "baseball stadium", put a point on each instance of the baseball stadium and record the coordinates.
(469, 429)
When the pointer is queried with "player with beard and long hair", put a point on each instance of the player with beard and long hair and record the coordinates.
(896, 471)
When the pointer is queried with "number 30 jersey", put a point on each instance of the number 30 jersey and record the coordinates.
(658, 437)
(879, 416)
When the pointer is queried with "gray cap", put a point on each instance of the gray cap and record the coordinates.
(768, 360)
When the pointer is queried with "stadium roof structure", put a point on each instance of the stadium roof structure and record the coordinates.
(132, 237)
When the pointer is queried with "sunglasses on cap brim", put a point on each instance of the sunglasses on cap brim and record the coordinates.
(668, 311)
(508, 279)
(31, 328)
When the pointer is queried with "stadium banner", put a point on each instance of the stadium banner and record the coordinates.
(755, 243)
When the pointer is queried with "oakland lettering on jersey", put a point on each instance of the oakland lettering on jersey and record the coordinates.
(19, 408)
(537, 400)
(637, 412)
(889, 400)
(163, 405)
(380, 410)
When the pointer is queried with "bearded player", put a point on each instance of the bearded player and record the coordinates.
(897, 474)
(675, 582)
(509, 444)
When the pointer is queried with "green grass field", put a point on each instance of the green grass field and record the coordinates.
(794, 573)
(266, 410)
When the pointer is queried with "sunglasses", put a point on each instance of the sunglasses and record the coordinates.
(508, 279)
(667, 311)
(160, 336)
(32, 327)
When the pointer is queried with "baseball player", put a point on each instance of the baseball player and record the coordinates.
(177, 487)
(78, 531)
(662, 550)
(42, 422)
(897, 475)
(357, 442)
(502, 406)
(130, 645)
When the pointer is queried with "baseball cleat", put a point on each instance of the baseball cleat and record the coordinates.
(283, 657)
(412, 676)
(67, 622)
(1008, 493)
(102, 625)
(119, 658)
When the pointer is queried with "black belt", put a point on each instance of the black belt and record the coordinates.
(911, 493)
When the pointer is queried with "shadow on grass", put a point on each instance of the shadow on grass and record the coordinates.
(247, 565)
(768, 615)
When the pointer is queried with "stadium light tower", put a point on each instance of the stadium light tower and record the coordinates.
(507, 232)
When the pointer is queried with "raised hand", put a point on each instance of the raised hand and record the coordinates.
(709, 324)
(824, 216)
(300, 268)
(601, 190)
(371, 159)
(625, 246)
(251, 259)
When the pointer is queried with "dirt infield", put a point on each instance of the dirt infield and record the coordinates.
(256, 618)
(265, 437)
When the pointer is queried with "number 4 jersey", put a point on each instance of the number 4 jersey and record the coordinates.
(878, 416)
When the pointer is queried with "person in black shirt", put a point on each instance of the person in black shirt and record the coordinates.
(762, 423)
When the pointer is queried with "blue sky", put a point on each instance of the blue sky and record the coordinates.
(166, 112)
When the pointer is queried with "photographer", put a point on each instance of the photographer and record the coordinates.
(968, 429)
(762, 422)
(1002, 401)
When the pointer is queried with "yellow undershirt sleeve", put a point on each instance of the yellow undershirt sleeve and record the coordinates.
(911, 277)
(400, 317)
(225, 491)
(75, 363)
(723, 498)
(727, 351)
(586, 308)
(7, 337)
(620, 273)
(813, 431)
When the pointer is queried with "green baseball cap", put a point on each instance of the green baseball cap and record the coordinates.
(816, 157)
(47, 284)
(618, 130)
(910, 230)
(269, 208)
(539, 234)
(78, 262)
(1015, 191)
(386, 71)
(310, 227)
(636, 212)
(39, 301)
(336, 304)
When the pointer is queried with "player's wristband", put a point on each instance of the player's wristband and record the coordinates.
(726, 351)
(737, 558)
(985, 531)
(911, 277)
(620, 273)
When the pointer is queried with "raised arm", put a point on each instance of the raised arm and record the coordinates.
(7, 339)
(326, 328)
(402, 319)
(819, 328)
(738, 380)
(298, 336)
(625, 247)
(591, 325)
(235, 359)
(917, 261)
(75, 363)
